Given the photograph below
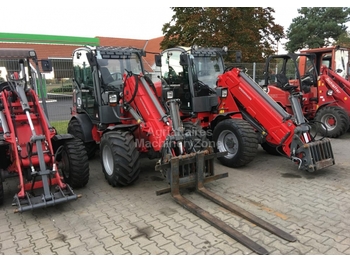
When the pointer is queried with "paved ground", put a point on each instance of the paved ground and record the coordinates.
(315, 208)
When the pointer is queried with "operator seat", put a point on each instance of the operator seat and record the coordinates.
(283, 83)
(106, 75)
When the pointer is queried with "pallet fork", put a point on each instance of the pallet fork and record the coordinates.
(204, 165)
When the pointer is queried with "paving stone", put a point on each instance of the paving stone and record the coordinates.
(133, 220)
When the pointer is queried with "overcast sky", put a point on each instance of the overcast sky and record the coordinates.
(109, 18)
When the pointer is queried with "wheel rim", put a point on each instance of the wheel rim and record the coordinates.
(329, 121)
(227, 141)
(107, 159)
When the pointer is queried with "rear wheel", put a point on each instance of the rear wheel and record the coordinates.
(74, 128)
(73, 164)
(332, 121)
(238, 138)
(119, 158)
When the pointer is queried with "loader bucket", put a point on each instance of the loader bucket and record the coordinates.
(31, 202)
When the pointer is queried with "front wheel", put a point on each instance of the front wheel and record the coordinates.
(119, 158)
(238, 138)
(73, 164)
(332, 121)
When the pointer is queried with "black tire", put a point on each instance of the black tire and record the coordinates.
(335, 121)
(238, 138)
(74, 128)
(1, 191)
(119, 158)
(74, 164)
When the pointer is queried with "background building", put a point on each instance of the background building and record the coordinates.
(59, 49)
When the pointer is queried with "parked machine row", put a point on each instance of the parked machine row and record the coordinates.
(197, 112)
(236, 111)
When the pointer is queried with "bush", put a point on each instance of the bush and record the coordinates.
(62, 89)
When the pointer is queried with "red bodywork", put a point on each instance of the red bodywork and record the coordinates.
(151, 131)
(19, 136)
(259, 106)
(317, 97)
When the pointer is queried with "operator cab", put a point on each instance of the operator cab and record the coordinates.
(190, 74)
(335, 58)
(98, 79)
(290, 72)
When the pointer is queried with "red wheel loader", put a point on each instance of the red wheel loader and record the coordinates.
(324, 95)
(46, 164)
(235, 111)
(116, 109)
(335, 58)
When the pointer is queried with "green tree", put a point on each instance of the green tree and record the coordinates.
(316, 27)
(343, 40)
(251, 30)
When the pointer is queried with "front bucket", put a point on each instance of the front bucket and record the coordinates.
(31, 202)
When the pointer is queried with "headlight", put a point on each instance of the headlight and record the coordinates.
(221, 92)
(169, 94)
(112, 99)
(329, 92)
(224, 92)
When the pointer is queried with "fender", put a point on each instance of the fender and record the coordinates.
(86, 126)
(57, 140)
(131, 127)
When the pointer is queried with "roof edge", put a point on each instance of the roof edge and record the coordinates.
(52, 39)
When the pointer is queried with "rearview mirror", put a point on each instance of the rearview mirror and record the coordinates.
(158, 60)
(46, 65)
(183, 60)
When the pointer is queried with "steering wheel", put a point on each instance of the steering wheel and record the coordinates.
(308, 78)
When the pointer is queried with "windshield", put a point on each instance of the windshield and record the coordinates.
(112, 70)
(173, 71)
(208, 69)
(341, 62)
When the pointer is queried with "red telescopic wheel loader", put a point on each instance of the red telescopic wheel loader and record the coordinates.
(46, 164)
(324, 95)
(236, 113)
(116, 109)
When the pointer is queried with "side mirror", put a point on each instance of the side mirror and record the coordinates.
(158, 60)
(183, 60)
(46, 65)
